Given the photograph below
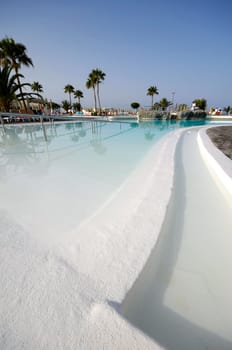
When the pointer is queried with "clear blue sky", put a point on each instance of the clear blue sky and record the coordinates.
(180, 46)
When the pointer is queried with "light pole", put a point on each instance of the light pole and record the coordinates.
(173, 95)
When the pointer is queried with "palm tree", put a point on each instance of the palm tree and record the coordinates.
(99, 77)
(201, 103)
(77, 107)
(164, 103)
(156, 106)
(14, 54)
(70, 90)
(36, 86)
(78, 94)
(65, 105)
(182, 107)
(91, 83)
(151, 91)
(94, 80)
(9, 88)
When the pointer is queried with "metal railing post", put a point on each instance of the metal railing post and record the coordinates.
(43, 128)
(2, 122)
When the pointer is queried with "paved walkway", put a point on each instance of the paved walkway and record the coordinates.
(222, 138)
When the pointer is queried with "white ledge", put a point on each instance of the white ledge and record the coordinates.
(219, 164)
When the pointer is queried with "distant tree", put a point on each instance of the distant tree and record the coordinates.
(95, 77)
(135, 105)
(156, 106)
(36, 86)
(99, 76)
(78, 94)
(182, 107)
(55, 105)
(51, 105)
(201, 103)
(91, 84)
(152, 90)
(69, 89)
(164, 103)
(227, 109)
(14, 54)
(77, 107)
(65, 105)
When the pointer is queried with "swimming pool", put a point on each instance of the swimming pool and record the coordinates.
(77, 225)
(52, 187)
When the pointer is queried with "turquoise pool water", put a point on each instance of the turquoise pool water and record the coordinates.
(51, 187)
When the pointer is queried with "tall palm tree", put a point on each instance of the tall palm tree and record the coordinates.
(78, 94)
(151, 91)
(99, 77)
(14, 54)
(70, 90)
(91, 84)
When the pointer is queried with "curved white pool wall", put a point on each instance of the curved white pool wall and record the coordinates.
(182, 297)
(219, 164)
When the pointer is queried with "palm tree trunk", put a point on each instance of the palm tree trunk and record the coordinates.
(70, 102)
(20, 88)
(152, 101)
(95, 100)
(98, 96)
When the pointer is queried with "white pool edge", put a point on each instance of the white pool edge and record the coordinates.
(215, 159)
(222, 166)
